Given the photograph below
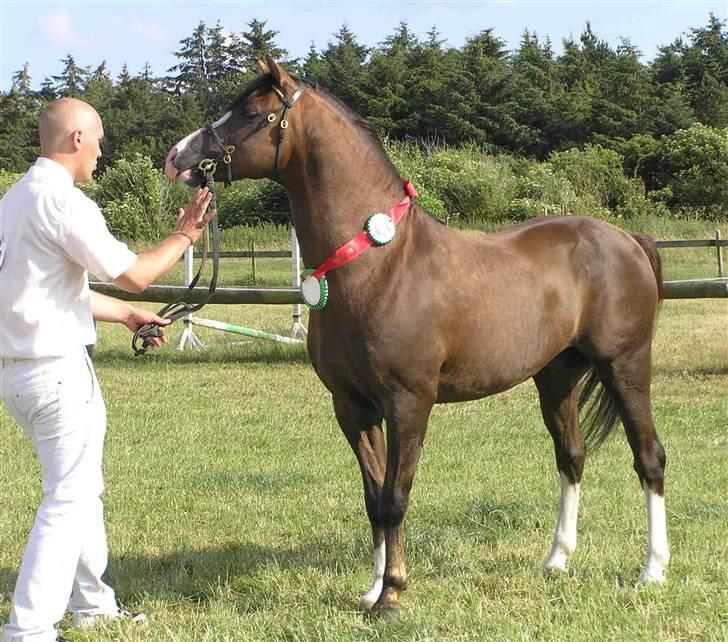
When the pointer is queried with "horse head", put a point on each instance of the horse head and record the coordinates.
(247, 142)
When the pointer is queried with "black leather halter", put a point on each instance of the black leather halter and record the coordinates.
(208, 166)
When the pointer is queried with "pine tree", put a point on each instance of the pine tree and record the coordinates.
(341, 69)
(388, 82)
(532, 90)
(19, 111)
(21, 81)
(100, 89)
(192, 69)
(257, 43)
(72, 80)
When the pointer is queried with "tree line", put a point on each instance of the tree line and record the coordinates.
(529, 102)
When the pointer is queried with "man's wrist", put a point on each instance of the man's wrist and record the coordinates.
(187, 236)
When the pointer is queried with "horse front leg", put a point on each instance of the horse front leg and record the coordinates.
(362, 427)
(406, 426)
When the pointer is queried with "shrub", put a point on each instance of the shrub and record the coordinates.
(251, 202)
(694, 170)
(474, 187)
(411, 163)
(136, 199)
(7, 180)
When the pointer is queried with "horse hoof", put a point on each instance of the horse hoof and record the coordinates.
(652, 577)
(555, 564)
(385, 613)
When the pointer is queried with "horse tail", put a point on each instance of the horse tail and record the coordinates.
(649, 246)
(601, 414)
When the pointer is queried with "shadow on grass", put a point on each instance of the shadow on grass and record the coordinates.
(697, 370)
(268, 354)
(255, 576)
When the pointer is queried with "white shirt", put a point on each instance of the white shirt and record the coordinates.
(53, 235)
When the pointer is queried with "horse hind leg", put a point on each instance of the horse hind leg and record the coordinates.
(628, 378)
(558, 388)
(362, 427)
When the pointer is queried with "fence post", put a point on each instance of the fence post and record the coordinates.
(188, 334)
(298, 331)
(252, 258)
(720, 254)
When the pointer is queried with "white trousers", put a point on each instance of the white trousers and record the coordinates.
(58, 404)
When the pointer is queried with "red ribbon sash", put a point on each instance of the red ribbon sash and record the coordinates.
(362, 242)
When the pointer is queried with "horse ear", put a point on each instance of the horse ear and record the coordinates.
(280, 75)
(262, 67)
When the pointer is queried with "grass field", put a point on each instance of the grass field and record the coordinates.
(235, 512)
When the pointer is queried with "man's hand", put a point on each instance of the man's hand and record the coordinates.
(137, 317)
(191, 220)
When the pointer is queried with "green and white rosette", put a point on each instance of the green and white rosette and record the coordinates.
(315, 293)
(380, 228)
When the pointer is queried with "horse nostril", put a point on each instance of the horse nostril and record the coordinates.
(171, 155)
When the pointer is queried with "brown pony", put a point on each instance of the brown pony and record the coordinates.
(435, 316)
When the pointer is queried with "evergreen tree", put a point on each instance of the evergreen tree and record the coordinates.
(192, 69)
(72, 80)
(698, 70)
(257, 43)
(21, 81)
(532, 90)
(100, 89)
(389, 81)
(341, 70)
(482, 85)
(124, 77)
(19, 111)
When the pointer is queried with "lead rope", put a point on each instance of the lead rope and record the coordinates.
(178, 309)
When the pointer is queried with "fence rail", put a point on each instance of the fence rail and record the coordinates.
(691, 289)
(694, 289)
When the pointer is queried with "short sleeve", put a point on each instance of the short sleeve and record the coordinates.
(84, 236)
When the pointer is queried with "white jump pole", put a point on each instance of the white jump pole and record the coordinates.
(298, 330)
(188, 337)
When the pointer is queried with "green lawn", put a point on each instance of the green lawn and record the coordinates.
(235, 511)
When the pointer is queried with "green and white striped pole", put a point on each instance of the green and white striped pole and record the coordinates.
(236, 329)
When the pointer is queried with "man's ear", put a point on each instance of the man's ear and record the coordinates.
(283, 80)
(77, 139)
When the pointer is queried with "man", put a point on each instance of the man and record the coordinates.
(51, 237)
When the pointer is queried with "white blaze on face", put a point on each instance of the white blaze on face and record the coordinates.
(564, 543)
(186, 140)
(372, 595)
(219, 122)
(658, 553)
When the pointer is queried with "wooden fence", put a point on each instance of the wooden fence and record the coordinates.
(691, 289)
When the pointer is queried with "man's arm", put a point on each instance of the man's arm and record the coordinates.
(150, 265)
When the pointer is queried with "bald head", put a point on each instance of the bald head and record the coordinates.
(61, 119)
(70, 130)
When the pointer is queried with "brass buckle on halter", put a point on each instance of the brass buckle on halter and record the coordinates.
(207, 165)
(271, 118)
(227, 157)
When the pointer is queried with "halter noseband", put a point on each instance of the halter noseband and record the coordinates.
(208, 166)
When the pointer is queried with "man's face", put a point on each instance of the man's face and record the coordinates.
(90, 149)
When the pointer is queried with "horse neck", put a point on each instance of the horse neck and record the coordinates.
(336, 177)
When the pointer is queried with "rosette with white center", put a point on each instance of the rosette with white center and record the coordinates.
(315, 291)
(380, 228)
